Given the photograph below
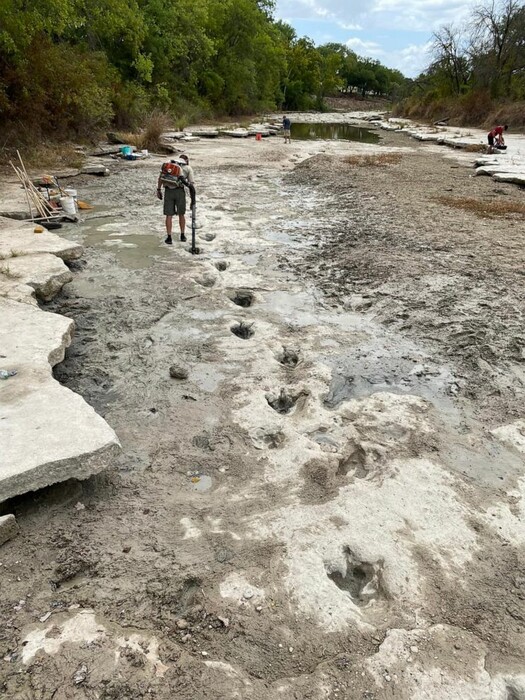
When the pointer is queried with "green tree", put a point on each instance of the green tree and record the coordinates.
(498, 45)
(244, 70)
(302, 77)
(450, 59)
(74, 65)
(176, 44)
(331, 63)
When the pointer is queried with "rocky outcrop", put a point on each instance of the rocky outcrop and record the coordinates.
(8, 528)
(44, 273)
(19, 238)
(47, 432)
(503, 166)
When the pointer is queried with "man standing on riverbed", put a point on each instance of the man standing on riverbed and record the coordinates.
(287, 127)
(174, 177)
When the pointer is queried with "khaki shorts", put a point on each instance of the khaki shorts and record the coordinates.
(174, 201)
(287, 133)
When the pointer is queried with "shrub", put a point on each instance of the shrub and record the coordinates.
(131, 105)
(156, 124)
(474, 107)
(60, 90)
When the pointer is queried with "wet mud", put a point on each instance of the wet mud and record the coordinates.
(314, 506)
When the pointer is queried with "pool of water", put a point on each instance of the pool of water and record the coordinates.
(334, 132)
(133, 250)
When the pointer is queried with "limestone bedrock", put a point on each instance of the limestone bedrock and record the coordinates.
(18, 238)
(48, 433)
(8, 528)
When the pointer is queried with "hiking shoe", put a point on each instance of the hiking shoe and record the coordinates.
(168, 240)
(183, 238)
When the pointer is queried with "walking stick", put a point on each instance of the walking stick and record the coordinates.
(193, 249)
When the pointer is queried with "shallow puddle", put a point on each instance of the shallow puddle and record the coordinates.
(321, 438)
(277, 236)
(334, 132)
(201, 482)
(134, 251)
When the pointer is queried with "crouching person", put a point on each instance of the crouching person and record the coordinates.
(495, 138)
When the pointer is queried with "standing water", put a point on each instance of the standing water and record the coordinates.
(333, 132)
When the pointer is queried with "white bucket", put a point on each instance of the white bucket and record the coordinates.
(68, 205)
(145, 152)
(71, 193)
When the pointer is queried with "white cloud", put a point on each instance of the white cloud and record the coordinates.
(417, 15)
(350, 27)
(407, 15)
(365, 48)
(396, 32)
(318, 9)
(411, 60)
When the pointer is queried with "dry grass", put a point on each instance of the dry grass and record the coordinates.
(149, 136)
(512, 113)
(14, 253)
(43, 157)
(53, 155)
(131, 138)
(10, 274)
(487, 209)
(380, 160)
(474, 109)
(476, 148)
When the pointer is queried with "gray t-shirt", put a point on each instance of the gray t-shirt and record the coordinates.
(188, 173)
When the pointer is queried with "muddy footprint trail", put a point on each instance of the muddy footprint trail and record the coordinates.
(307, 515)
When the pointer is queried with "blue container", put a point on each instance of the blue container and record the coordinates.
(126, 150)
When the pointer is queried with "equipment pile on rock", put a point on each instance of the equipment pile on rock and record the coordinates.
(49, 209)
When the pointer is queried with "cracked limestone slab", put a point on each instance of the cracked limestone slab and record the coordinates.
(515, 179)
(45, 273)
(17, 291)
(500, 169)
(48, 433)
(8, 528)
(19, 238)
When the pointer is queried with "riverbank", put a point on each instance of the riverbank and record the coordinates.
(48, 433)
(328, 508)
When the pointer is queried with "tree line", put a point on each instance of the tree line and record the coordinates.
(478, 66)
(75, 66)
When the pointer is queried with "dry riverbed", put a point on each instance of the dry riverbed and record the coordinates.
(331, 504)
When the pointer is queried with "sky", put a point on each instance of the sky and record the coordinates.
(395, 32)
